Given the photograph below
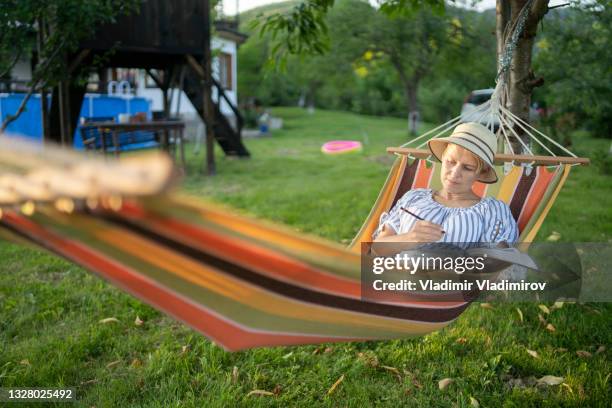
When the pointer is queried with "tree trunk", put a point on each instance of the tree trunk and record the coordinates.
(76, 94)
(521, 79)
(411, 89)
(44, 103)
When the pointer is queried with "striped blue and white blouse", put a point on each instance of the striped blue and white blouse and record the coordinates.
(488, 221)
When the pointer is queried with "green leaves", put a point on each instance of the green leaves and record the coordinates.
(302, 30)
(396, 8)
(65, 23)
(574, 59)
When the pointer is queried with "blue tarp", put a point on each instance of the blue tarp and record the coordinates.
(29, 123)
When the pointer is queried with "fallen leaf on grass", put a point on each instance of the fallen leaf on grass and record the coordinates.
(394, 371)
(520, 313)
(474, 402)
(135, 363)
(261, 393)
(486, 306)
(544, 308)
(601, 349)
(113, 363)
(461, 340)
(533, 353)
(593, 310)
(336, 384)
(25, 362)
(109, 320)
(369, 359)
(583, 353)
(138, 322)
(557, 305)
(442, 384)
(234, 375)
(554, 237)
(277, 389)
(184, 349)
(550, 327)
(550, 380)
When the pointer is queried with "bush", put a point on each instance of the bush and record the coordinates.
(441, 100)
(603, 162)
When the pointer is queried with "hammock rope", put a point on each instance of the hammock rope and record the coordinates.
(511, 40)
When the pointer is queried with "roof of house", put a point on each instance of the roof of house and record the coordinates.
(228, 29)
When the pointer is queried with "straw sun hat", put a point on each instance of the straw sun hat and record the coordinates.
(473, 137)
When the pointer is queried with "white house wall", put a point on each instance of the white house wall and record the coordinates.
(228, 47)
(186, 108)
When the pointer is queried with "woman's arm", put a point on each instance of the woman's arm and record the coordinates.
(390, 243)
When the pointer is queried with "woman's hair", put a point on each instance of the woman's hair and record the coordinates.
(480, 164)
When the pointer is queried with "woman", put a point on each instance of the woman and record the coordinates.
(453, 214)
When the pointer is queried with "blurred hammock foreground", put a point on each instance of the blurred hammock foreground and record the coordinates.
(238, 281)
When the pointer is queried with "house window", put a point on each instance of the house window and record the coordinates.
(225, 70)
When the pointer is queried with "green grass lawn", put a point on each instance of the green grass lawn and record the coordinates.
(50, 334)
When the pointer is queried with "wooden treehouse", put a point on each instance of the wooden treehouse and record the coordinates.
(172, 41)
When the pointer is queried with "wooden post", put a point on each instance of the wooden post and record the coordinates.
(167, 83)
(102, 80)
(165, 101)
(209, 113)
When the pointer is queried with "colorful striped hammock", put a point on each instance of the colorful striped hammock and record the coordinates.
(241, 282)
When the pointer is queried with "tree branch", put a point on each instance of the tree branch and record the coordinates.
(11, 118)
(537, 12)
(558, 6)
(12, 64)
(40, 70)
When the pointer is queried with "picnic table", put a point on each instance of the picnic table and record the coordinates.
(164, 134)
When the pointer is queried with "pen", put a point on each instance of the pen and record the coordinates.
(417, 216)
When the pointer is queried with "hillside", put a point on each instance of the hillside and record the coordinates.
(246, 17)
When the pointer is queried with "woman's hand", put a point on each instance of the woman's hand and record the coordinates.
(388, 243)
(423, 231)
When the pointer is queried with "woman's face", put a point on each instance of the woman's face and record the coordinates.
(459, 170)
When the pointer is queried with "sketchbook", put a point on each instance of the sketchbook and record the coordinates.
(495, 258)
